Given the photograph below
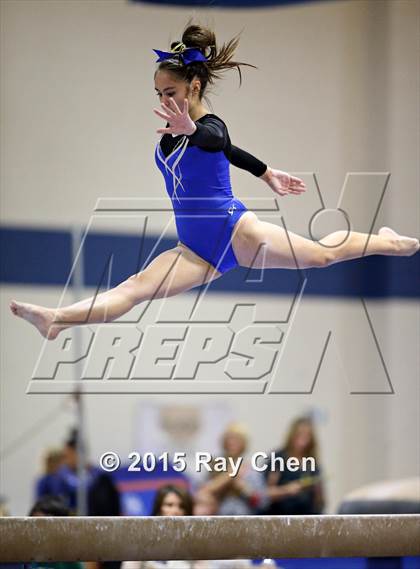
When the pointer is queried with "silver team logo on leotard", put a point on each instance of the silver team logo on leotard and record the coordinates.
(231, 209)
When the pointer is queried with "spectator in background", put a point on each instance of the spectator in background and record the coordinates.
(296, 492)
(169, 501)
(61, 476)
(62, 479)
(49, 484)
(67, 474)
(175, 501)
(205, 503)
(103, 498)
(245, 493)
(172, 501)
(51, 506)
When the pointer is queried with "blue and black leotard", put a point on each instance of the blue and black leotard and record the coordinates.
(197, 178)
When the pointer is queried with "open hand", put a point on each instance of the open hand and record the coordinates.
(283, 183)
(179, 121)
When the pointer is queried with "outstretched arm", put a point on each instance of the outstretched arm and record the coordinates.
(246, 161)
(280, 182)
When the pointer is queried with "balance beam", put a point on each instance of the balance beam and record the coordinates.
(49, 539)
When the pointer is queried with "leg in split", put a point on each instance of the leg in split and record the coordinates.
(170, 273)
(260, 244)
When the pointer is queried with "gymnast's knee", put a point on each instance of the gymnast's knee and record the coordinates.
(323, 258)
(138, 287)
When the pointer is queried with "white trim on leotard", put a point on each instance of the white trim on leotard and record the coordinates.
(176, 180)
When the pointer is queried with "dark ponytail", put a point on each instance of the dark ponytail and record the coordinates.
(219, 59)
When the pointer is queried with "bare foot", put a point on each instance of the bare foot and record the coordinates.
(402, 245)
(42, 318)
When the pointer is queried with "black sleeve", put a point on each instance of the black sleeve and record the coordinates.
(246, 161)
(210, 135)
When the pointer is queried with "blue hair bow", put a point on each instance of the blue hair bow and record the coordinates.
(187, 54)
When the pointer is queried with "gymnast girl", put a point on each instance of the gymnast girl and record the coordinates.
(216, 231)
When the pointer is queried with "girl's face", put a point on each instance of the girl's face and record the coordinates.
(205, 504)
(302, 437)
(172, 505)
(234, 444)
(167, 86)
